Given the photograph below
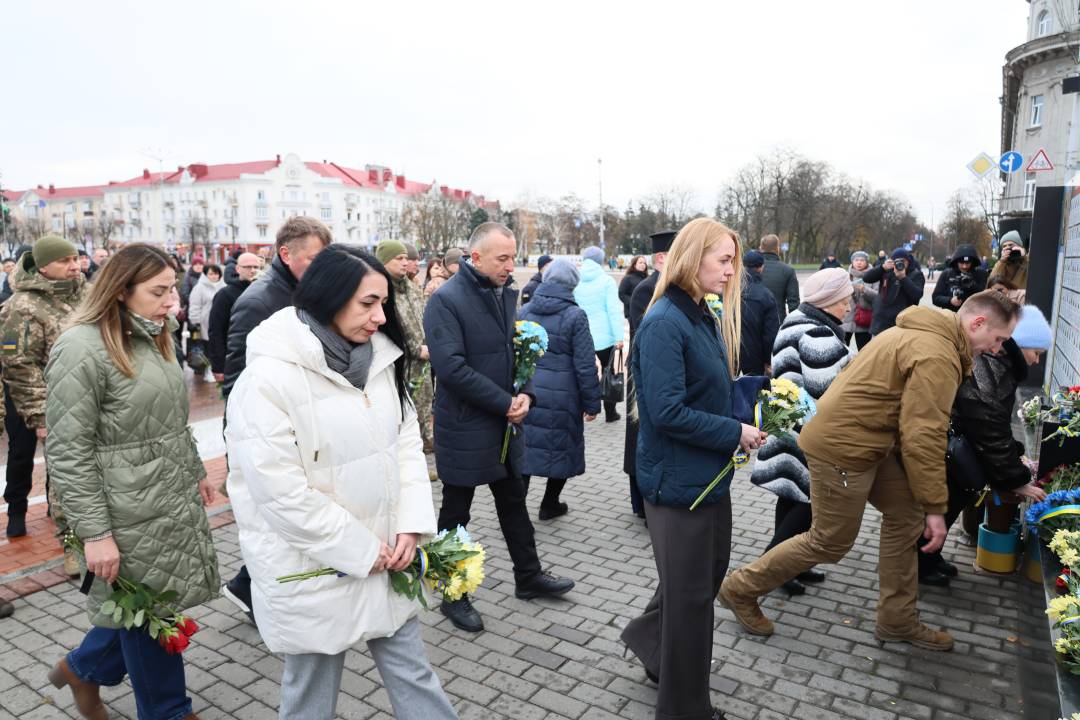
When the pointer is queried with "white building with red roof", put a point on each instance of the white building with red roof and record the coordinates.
(239, 204)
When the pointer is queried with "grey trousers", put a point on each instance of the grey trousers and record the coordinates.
(311, 682)
(673, 637)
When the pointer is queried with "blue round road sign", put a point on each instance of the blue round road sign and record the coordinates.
(1011, 161)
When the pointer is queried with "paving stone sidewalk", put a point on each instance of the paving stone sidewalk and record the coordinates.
(547, 660)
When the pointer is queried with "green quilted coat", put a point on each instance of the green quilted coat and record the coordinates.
(122, 459)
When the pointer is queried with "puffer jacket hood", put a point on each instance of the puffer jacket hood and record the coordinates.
(939, 323)
(27, 278)
(590, 270)
(964, 251)
(551, 299)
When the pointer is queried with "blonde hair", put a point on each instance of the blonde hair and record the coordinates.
(103, 307)
(681, 269)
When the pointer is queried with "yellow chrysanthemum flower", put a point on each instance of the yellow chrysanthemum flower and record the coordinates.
(1059, 606)
(1062, 645)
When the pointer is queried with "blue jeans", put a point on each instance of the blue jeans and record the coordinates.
(157, 678)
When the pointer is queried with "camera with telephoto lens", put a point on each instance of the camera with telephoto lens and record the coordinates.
(900, 264)
(962, 285)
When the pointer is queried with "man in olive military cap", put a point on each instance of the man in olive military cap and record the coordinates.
(47, 286)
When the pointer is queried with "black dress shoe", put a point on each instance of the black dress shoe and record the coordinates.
(947, 569)
(654, 679)
(543, 585)
(794, 587)
(934, 579)
(810, 577)
(614, 417)
(16, 525)
(717, 714)
(550, 513)
(462, 614)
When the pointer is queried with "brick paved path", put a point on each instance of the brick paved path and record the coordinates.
(547, 660)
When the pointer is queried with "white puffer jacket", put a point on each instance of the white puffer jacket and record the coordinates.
(320, 473)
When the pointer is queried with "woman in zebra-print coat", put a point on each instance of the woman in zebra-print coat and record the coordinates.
(810, 351)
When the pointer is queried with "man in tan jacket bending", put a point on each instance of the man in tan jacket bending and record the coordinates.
(880, 436)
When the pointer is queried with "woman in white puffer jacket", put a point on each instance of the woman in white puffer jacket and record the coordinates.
(328, 470)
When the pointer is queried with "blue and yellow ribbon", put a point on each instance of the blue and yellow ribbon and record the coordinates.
(1059, 511)
(422, 553)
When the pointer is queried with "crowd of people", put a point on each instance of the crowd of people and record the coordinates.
(342, 370)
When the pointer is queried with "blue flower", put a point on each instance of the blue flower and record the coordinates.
(1053, 500)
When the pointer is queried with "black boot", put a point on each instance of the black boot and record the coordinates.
(16, 526)
(811, 576)
(947, 569)
(462, 614)
(934, 579)
(794, 587)
(543, 585)
(552, 512)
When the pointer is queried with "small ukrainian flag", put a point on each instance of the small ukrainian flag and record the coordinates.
(9, 346)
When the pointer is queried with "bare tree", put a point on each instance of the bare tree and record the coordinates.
(436, 221)
(196, 231)
(106, 226)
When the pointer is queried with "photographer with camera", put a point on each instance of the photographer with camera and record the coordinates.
(1013, 264)
(963, 278)
(901, 286)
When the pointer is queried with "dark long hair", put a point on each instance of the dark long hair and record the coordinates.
(331, 281)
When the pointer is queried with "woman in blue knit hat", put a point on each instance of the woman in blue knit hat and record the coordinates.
(983, 413)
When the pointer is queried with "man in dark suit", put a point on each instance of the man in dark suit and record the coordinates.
(639, 302)
(779, 277)
(469, 324)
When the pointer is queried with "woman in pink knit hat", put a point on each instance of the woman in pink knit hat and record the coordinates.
(810, 351)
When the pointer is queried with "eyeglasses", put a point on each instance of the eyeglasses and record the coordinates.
(247, 267)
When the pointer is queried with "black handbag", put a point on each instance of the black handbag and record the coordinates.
(963, 464)
(612, 382)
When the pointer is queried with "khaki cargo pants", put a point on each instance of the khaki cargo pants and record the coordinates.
(839, 498)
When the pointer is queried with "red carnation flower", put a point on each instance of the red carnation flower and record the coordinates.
(1062, 580)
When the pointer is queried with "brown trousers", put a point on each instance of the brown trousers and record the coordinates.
(839, 499)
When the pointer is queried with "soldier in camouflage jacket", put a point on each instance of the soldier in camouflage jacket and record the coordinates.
(409, 306)
(47, 287)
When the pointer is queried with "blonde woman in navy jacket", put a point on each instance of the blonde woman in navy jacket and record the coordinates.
(687, 434)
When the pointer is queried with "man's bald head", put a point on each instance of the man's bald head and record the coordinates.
(248, 266)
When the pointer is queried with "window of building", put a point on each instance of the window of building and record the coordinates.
(262, 231)
(262, 212)
(1045, 24)
(1036, 110)
(294, 195)
(261, 196)
(1029, 191)
(325, 213)
(326, 197)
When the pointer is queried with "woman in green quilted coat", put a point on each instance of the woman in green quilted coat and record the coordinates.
(128, 474)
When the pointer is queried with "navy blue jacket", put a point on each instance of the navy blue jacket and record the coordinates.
(760, 323)
(894, 296)
(565, 385)
(470, 338)
(687, 432)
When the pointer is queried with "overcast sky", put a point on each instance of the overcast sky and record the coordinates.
(506, 98)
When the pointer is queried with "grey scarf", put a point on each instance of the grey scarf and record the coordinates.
(352, 361)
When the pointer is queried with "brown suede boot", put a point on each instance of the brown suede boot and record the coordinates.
(747, 612)
(87, 698)
(920, 636)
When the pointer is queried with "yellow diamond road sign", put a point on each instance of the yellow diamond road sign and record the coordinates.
(981, 165)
